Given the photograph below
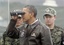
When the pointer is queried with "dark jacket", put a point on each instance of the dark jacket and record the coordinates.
(38, 34)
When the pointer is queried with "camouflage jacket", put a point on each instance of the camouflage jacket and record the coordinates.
(56, 35)
(8, 41)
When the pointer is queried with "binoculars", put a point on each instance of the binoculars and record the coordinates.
(14, 13)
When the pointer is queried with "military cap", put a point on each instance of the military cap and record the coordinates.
(50, 11)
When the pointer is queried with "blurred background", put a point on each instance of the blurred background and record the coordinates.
(3, 16)
(9, 5)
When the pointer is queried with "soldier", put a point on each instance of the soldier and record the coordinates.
(36, 33)
(10, 41)
(56, 31)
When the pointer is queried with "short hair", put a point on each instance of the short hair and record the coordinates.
(32, 9)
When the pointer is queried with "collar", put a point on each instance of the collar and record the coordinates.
(34, 22)
(19, 26)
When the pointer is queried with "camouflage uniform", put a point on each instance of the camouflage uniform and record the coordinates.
(56, 35)
(9, 41)
(57, 32)
(1, 41)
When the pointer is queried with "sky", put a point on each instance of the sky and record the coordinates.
(54, 3)
(41, 2)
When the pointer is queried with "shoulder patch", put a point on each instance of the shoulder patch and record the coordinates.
(33, 34)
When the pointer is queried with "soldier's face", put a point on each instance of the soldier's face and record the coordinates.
(49, 20)
(27, 15)
(19, 22)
